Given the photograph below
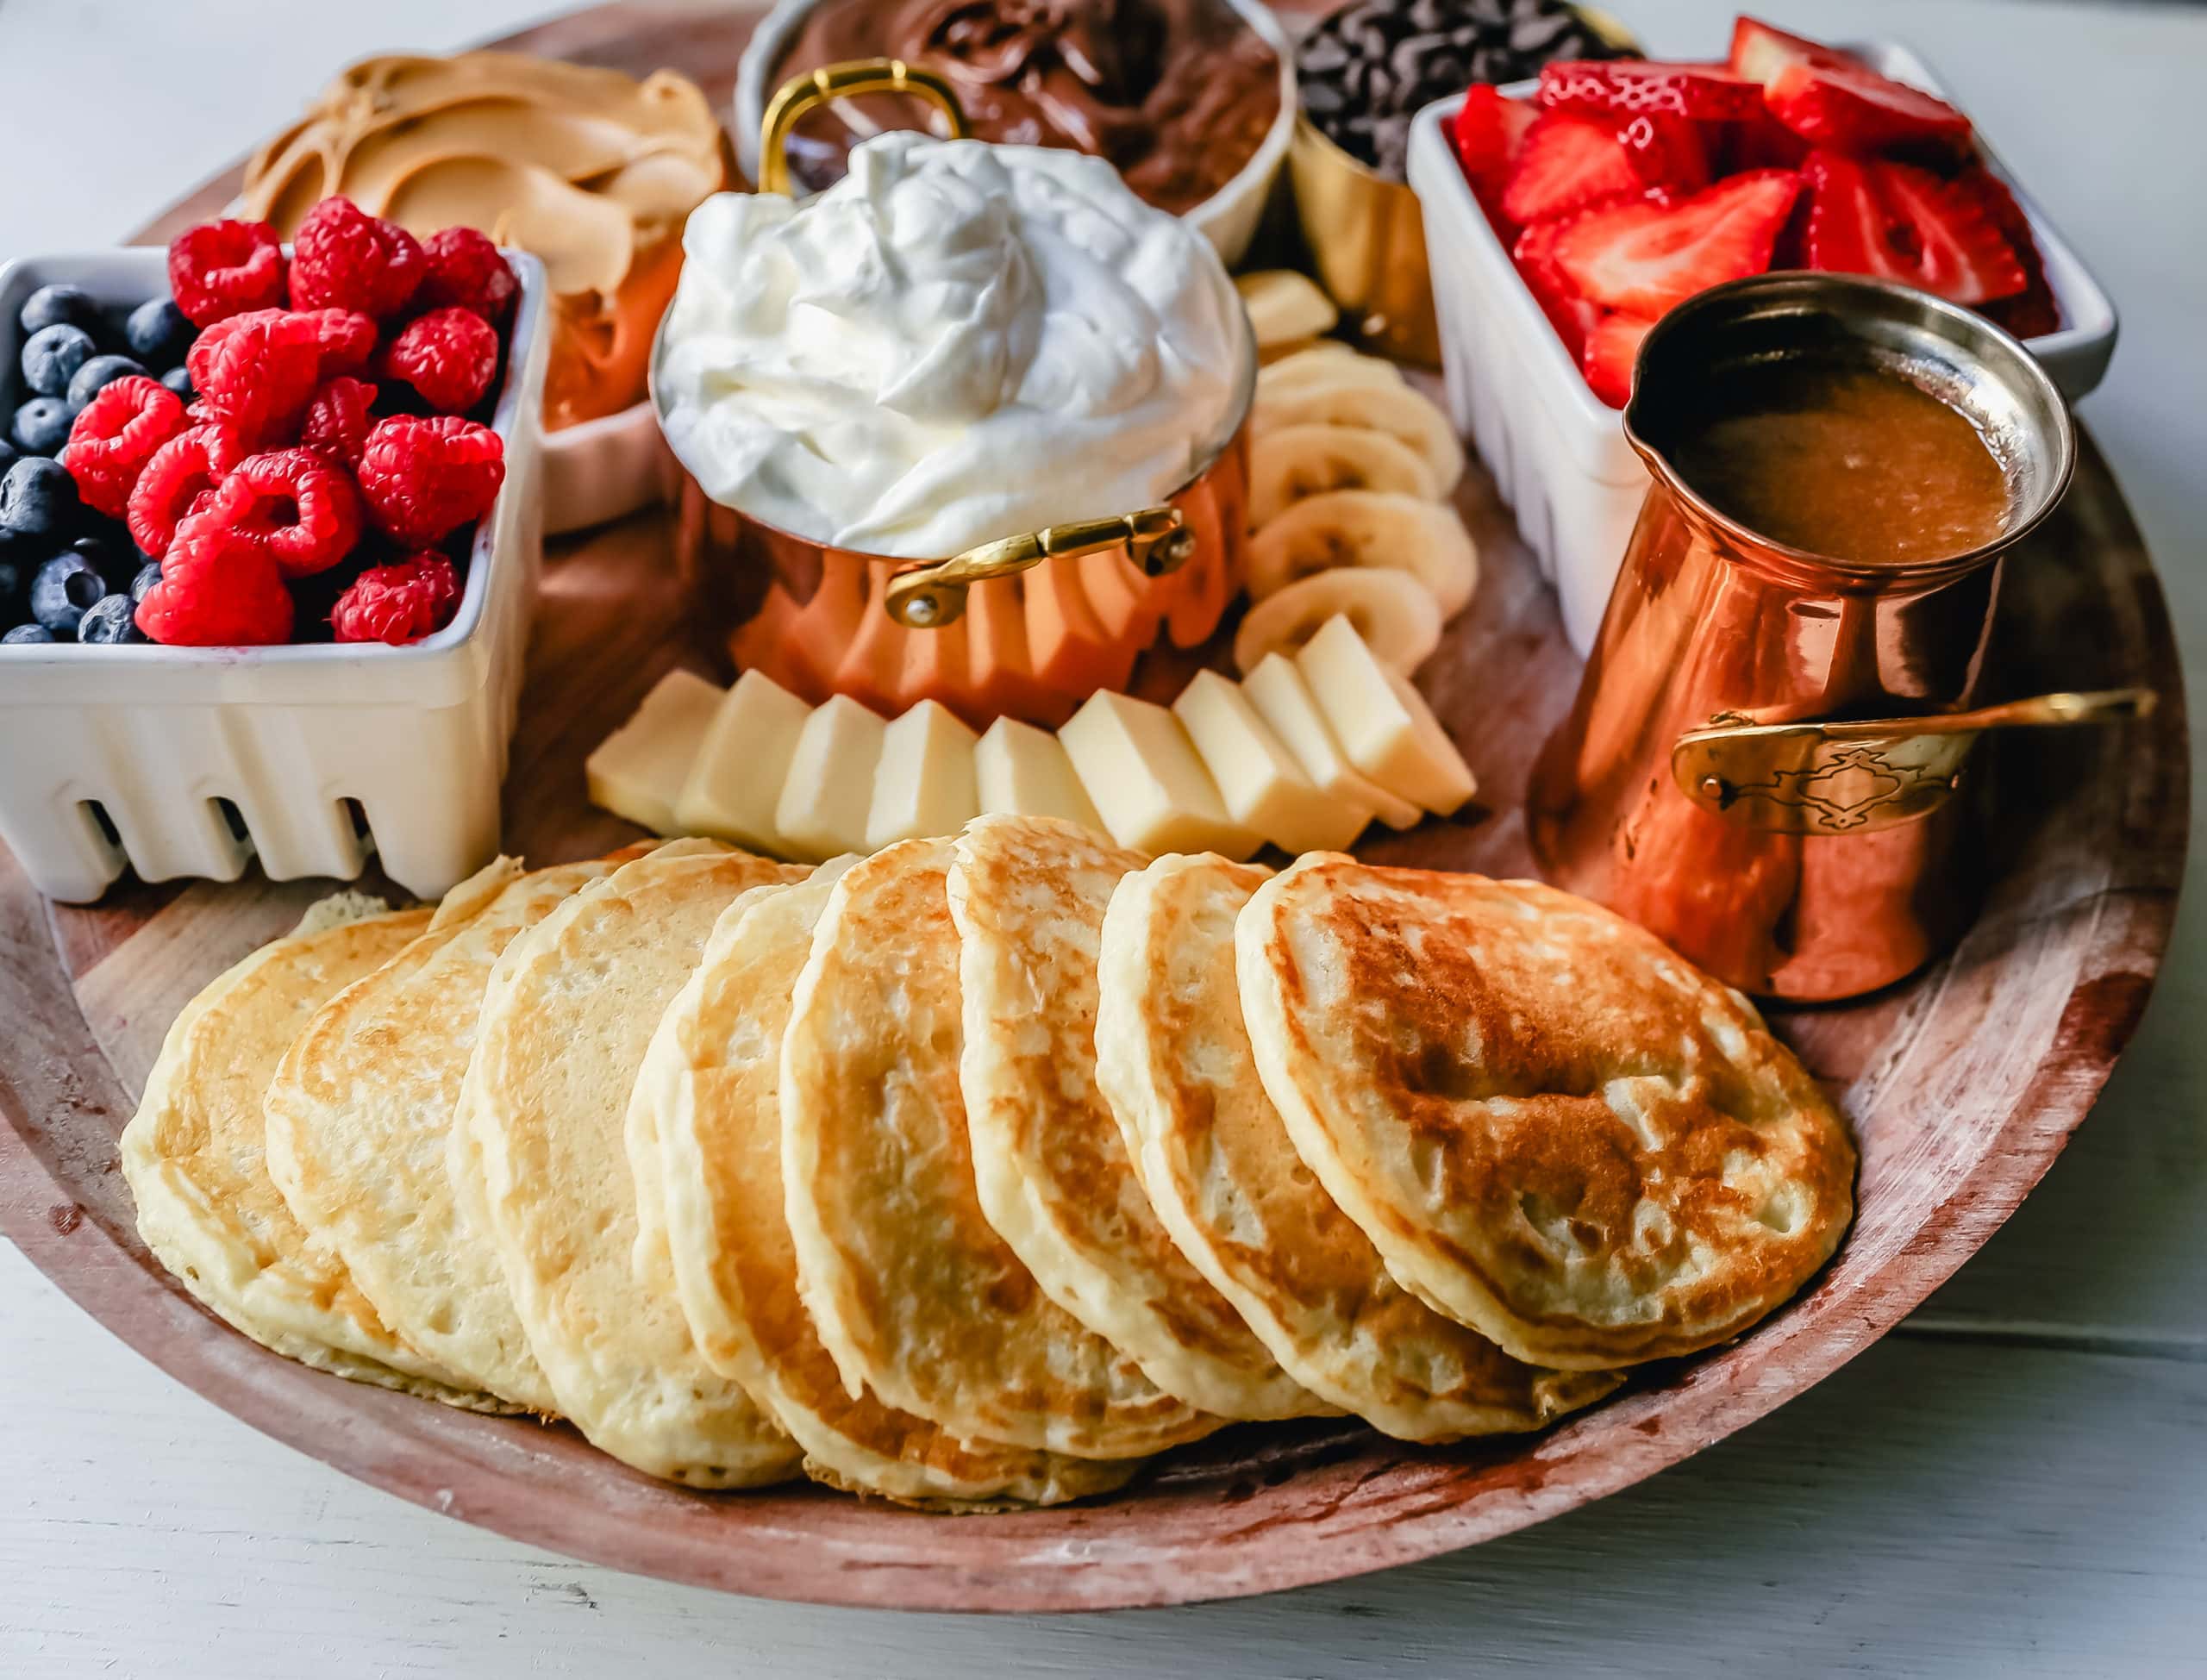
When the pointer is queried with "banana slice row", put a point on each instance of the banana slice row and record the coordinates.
(1350, 472)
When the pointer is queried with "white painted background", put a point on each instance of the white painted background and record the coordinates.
(2013, 1483)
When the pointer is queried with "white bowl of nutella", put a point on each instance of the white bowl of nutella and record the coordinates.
(1194, 100)
(592, 171)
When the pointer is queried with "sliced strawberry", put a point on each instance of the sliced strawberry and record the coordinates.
(2032, 312)
(1489, 133)
(1666, 152)
(1567, 164)
(1759, 52)
(1859, 110)
(1571, 315)
(1626, 87)
(1642, 257)
(1760, 142)
(1611, 352)
(1903, 223)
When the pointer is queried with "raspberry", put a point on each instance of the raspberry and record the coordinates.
(337, 420)
(466, 273)
(218, 588)
(220, 268)
(114, 437)
(178, 481)
(297, 503)
(345, 338)
(344, 259)
(448, 355)
(256, 372)
(425, 478)
(398, 603)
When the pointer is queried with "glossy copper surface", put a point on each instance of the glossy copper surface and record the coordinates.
(1710, 623)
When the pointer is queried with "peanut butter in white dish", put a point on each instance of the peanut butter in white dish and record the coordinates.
(592, 171)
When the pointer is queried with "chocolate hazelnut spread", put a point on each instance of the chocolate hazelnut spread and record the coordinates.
(590, 170)
(1177, 95)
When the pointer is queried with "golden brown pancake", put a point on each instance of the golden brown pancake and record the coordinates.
(914, 1294)
(1028, 895)
(1551, 1127)
(1220, 1169)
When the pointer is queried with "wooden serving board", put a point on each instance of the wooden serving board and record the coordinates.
(1962, 1084)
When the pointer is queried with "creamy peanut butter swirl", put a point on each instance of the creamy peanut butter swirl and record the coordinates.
(592, 171)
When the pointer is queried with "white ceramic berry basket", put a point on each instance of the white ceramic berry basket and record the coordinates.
(1228, 218)
(188, 761)
(1557, 452)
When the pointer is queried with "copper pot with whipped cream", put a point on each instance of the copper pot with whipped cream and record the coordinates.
(1192, 101)
(968, 426)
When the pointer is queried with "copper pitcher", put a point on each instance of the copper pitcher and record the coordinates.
(1767, 761)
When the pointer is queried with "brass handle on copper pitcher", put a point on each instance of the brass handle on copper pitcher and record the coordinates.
(1855, 778)
(927, 597)
(831, 82)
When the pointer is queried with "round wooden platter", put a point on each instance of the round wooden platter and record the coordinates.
(1962, 1085)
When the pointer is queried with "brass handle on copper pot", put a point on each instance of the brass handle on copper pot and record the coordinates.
(927, 597)
(1858, 776)
(831, 82)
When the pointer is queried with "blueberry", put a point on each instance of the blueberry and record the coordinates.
(179, 380)
(9, 454)
(116, 558)
(109, 620)
(98, 374)
(65, 587)
(38, 498)
(51, 356)
(12, 579)
(157, 333)
(59, 306)
(23, 633)
(143, 585)
(41, 425)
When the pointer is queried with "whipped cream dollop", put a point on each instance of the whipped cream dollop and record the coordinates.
(957, 342)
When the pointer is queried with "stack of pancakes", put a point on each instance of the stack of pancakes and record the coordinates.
(973, 1173)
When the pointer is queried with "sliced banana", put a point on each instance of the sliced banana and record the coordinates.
(1314, 366)
(1395, 614)
(1397, 411)
(1297, 461)
(1284, 305)
(1367, 528)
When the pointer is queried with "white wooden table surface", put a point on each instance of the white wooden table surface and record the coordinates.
(2015, 1482)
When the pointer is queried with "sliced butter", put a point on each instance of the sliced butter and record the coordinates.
(924, 787)
(1148, 782)
(1384, 726)
(639, 769)
(1264, 788)
(1283, 699)
(742, 762)
(830, 790)
(1020, 771)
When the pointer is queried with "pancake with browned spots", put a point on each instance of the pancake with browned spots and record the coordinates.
(914, 1294)
(1175, 1061)
(1551, 1127)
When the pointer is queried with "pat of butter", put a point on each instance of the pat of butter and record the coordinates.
(741, 763)
(1150, 787)
(830, 789)
(638, 771)
(1020, 771)
(925, 785)
(1283, 699)
(1264, 789)
(1383, 724)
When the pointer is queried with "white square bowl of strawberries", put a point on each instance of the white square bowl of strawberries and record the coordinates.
(270, 534)
(1563, 216)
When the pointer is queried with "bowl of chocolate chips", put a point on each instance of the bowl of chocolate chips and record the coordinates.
(1364, 72)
